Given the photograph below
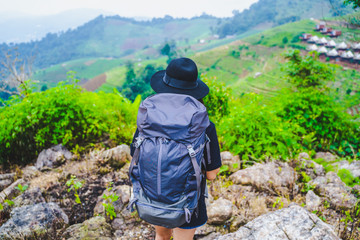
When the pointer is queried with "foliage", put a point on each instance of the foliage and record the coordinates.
(307, 72)
(138, 83)
(64, 114)
(347, 177)
(355, 3)
(109, 203)
(74, 184)
(253, 130)
(169, 49)
(217, 101)
(21, 188)
(326, 125)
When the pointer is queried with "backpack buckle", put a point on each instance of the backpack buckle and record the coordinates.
(192, 152)
(138, 142)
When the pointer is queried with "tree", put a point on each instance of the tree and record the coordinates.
(355, 3)
(16, 73)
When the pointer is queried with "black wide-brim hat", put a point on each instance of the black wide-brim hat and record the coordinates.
(181, 77)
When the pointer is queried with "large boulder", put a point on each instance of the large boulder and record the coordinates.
(116, 157)
(293, 222)
(335, 191)
(29, 197)
(93, 228)
(220, 211)
(274, 177)
(52, 157)
(40, 219)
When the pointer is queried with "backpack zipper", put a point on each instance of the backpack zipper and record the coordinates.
(159, 169)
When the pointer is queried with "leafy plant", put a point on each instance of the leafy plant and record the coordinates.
(108, 204)
(279, 203)
(347, 177)
(21, 188)
(74, 184)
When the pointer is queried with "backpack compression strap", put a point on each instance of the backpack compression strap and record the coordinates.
(135, 158)
(197, 169)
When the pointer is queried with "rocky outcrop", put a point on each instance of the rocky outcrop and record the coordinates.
(293, 222)
(39, 219)
(335, 191)
(52, 157)
(274, 177)
(116, 157)
(93, 228)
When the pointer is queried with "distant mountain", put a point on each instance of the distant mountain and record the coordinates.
(16, 27)
(277, 12)
(113, 36)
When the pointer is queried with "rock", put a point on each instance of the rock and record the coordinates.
(118, 223)
(293, 222)
(233, 162)
(123, 174)
(6, 180)
(313, 202)
(211, 236)
(93, 228)
(39, 219)
(353, 167)
(11, 191)
(275, 177)
(239, 221)
(303, 157)
(205, 230)
(141, 231)
(117, 157)
(328, 157)
(123, 191)
(29, 197)
(52, 157)
(5, 183)
(335, 191)
(29, 172)
(220, 211)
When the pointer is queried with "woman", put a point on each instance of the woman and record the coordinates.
(181, 77)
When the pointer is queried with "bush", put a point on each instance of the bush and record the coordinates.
(253, 130)
(217, 101)
(64, 114)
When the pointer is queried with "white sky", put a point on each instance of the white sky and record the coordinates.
(130, 8)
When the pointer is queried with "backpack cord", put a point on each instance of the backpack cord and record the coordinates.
(134, 161)
(197, 170)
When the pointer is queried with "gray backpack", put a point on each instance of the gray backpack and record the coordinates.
(166, 169)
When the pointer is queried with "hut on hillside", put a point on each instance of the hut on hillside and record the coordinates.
(331, 44)
(335, 33)
(312, 47)
(342, 46)
(320, 26)
(322, 41)
(357, 58)
(305, 37)
(347, 56)
(326, 30)
(356, 47)
(333, 54)
(322, 50)
(313, 39)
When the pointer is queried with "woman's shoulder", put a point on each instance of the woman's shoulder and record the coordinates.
(210, 128)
